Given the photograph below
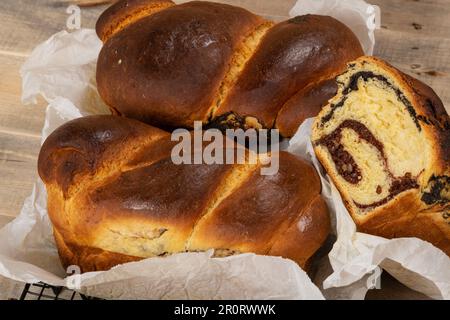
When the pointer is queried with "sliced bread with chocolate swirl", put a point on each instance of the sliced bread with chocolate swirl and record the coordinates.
(384, 140)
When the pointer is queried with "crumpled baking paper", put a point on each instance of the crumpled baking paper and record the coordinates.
(62, 70)
(362, 18)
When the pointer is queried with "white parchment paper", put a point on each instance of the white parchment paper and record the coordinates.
(62, 70)
(362, 18)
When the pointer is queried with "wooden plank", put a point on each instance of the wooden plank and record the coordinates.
(5, 220)
(10, 289)
(20, 128)
(25, 23)
(426, 58)
(16, 118)
(416, 17)
(274, 10)
(18, 159)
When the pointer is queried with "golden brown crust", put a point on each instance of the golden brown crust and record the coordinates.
(270, 204)
(204, 61)
(79, 147)
(292, 55)
(432, 114)
(431, 227)
(166, 69)
(307, 103)
(124, 13)
(312, 227)
(88, 258)
(114, 195)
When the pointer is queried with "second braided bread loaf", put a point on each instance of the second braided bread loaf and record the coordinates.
(169, 65)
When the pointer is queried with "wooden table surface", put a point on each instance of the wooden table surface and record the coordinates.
(415, 36)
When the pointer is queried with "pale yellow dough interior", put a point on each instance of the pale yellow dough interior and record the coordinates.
(377, 106)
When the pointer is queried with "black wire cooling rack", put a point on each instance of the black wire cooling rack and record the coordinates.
(42, 291)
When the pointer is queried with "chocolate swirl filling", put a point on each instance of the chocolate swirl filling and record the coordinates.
(345, 164)
(353, 86)
(398, 185)
(347, 167)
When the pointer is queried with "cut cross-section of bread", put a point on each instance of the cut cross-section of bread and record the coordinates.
(384, 139)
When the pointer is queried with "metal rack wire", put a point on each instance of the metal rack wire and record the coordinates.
(42, 291)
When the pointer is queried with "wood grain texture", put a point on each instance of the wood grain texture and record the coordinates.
(274, 10)
(26, 23)
(4, 220)
(427, 58)
(10, 289)
(426, 17)
(20, 128)
(16, 118)
(415, 37)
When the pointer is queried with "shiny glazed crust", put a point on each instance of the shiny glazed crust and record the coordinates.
(169, 65)
(114, 196)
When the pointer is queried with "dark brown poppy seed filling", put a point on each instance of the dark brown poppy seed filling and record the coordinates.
(398, 186)
(345, 164)
(437, 190)
(349, 170)
(353, 86)
(229, 120)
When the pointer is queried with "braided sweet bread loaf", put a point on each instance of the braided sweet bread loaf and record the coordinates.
(384, 139)
(169, 65)
(114, 195)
